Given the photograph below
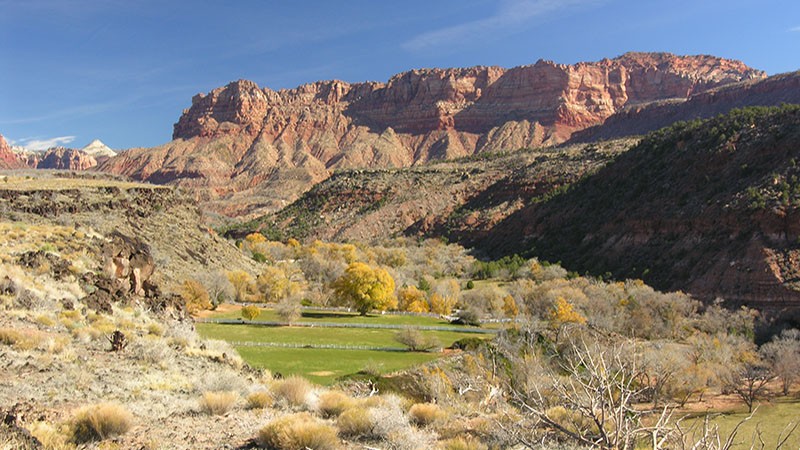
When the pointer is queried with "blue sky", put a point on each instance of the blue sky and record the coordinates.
(122, 71)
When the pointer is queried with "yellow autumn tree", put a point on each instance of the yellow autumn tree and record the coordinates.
(255, 238)
(563, 312)
(510, 306)
(195, 296)
(411, 299)
(274, 284)
(250, 312)
(241, 282)
(365, 288)
(442, 305)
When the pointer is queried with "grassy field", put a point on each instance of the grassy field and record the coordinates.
(326, 365)
(371, 337)
(770, 419)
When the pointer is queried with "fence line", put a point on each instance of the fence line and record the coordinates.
(316, 346)
(339, 309)
(346, 325)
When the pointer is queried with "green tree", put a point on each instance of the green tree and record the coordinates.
(365, 288)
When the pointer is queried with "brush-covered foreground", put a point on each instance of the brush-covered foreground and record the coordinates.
(94, 353)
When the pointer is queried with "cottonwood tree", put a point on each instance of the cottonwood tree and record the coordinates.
(366, 288)
(195, 296)
(289, 310)
(241, 282)
(749, 382)
(219, 287)
(783, 356)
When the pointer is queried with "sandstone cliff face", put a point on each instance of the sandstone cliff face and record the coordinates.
(640, 119)
(247, 150)
(9, 159)
(65, 158)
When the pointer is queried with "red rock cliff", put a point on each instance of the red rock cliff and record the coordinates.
(245, 150)
(9, 159)
(65, 158)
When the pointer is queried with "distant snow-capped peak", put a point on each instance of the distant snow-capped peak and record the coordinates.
(97, 148)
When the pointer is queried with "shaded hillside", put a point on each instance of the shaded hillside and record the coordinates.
(641, 119)
(245, 150)
(706, 207)
(461, 200)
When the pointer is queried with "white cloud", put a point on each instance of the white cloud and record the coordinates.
(795, 30)
(511, 14)
(44, 144)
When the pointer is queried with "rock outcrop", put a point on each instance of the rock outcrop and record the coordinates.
(8, 158)
(641, 119)
(65, 158)
(247, 150)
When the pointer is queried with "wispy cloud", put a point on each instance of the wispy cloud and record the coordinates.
(510, 16)
(44, 144)
(795, 30)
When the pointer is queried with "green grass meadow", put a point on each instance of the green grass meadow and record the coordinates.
(770, 419)
(325, 366)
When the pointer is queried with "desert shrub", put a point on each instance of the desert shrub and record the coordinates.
(424, 414)
(259, 400)
(155, 329)
(220, 380)
(250, 312)
(217, 403)
(468, 344)
(98, 422)
(416, 340)
(388, 418)
(294, 390)
(297, 432)
(467, 317)
(463, 443)
(333, 403)
(152, 351)
(355, 422)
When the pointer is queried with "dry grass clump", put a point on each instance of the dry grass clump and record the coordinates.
(217, 403)
(98, 422)
(355, 422)
(333, 403)
(259, 400)
(51, 437)
(32, 339)
(294, 390)
(463, 443)
(424, 414)
(297, 432)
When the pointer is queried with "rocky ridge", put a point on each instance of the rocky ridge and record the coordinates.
(710, 208)
(246, 150)
(63, 158)
(8, 158)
